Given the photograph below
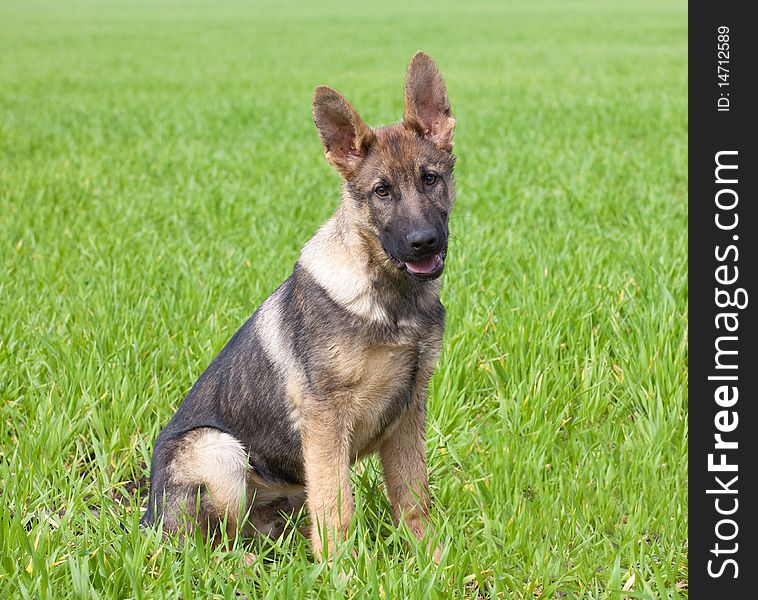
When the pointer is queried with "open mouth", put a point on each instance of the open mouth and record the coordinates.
(425, 268)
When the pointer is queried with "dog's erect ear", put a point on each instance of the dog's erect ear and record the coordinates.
(427, 109)
(346, 138)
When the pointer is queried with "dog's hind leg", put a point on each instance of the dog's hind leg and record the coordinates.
(201, 482)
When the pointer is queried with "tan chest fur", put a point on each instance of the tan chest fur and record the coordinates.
(377, 383)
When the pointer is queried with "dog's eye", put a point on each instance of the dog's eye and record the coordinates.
(381, 191)
(430, 179)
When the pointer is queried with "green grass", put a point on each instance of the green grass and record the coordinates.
(159, 172)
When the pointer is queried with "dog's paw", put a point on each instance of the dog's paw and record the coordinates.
(249, 559)
(437, 553)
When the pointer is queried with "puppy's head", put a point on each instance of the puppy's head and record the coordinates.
(399, 178)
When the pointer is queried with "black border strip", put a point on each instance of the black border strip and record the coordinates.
(712, 131)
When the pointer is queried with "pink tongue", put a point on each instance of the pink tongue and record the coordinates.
(423, 266)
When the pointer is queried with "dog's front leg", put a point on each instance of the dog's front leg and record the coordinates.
(403, 456)
(326, 454)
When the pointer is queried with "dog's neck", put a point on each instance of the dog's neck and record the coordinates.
(364, 248)
(356, 273)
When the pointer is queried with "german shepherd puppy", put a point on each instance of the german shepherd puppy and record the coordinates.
(335, 364)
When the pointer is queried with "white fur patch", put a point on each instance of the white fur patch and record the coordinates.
(278, 348)
(218, 460)
(333, 266)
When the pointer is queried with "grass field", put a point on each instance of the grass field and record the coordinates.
(159, 172)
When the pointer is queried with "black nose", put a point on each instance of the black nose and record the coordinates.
(423, 239)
